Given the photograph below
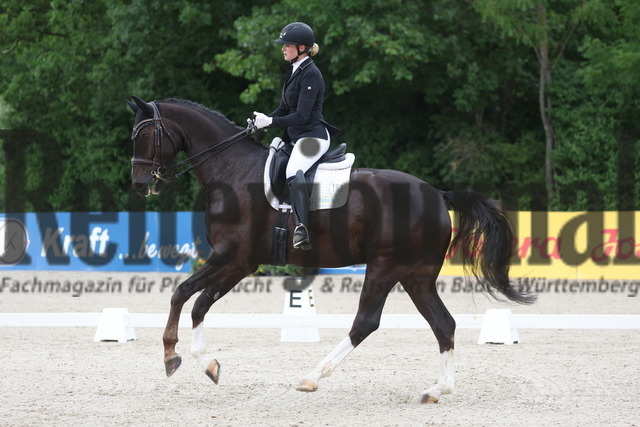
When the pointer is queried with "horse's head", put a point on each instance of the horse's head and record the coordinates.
(154, 147)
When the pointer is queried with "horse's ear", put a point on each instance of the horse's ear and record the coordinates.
(132, 105)
(147, 108)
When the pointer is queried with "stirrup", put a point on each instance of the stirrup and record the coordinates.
(301, 238)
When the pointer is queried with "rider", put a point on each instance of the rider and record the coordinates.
(300, 113)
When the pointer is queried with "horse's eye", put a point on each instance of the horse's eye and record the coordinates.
(145, 136)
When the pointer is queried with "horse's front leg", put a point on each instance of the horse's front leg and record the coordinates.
(198, 281)
(198, 345)
(226, 278)
(183, 292)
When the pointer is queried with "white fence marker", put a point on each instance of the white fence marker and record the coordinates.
(299, 302)
(114, 325)
(496, 328)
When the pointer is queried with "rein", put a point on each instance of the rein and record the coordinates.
(165, 173)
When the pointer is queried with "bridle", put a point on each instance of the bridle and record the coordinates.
(166, 173)
(157, 152)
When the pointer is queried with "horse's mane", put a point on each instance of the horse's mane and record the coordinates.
(215, 114)
(211, 113)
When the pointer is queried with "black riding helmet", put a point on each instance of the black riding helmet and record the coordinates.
(297, 33)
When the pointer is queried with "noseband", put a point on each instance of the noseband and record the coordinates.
(156, 121)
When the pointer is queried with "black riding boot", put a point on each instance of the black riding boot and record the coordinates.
(300, 204)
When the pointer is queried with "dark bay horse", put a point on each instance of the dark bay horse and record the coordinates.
(395, 223)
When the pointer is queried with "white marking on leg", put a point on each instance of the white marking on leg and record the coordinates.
(327, 365)
(199, 347)
(446, 382)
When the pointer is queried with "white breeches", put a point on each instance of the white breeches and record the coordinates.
(306, 151)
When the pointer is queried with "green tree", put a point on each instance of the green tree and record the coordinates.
(426, 81)
(547, 27)
(596, 117)
(452, 92)
(67, 67)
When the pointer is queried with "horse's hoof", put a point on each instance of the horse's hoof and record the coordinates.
(172, 365)
(213, 371)
(307, 386)
(426, 398)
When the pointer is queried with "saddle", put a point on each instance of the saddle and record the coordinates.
(328, 178)
(328, 182)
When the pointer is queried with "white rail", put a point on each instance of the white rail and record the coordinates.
(325, 321)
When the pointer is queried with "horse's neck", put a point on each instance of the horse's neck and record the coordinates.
(242, 162)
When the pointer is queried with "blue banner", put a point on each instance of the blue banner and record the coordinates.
(109, 241)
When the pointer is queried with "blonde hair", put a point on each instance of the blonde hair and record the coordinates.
(313, 51)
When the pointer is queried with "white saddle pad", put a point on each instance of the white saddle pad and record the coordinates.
(330, 184)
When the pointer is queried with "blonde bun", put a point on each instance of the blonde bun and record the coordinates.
(314, 49)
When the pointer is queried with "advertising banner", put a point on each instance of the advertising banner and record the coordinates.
(576, 245)
(110, 241)
(564, 245)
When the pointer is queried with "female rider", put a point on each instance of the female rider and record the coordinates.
(300, 114)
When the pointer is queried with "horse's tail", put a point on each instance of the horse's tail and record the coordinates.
(486, 241)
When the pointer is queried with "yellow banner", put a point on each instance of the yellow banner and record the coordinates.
(572, 245)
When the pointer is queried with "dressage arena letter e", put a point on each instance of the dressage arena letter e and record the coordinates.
(294, 296)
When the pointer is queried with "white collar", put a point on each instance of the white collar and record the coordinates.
(297, 64)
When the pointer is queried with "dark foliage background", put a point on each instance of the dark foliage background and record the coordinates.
(533, 102)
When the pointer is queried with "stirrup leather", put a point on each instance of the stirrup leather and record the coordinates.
(301, 238)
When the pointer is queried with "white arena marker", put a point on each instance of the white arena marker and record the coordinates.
(300, 302)
(496, 328)
(114, 325)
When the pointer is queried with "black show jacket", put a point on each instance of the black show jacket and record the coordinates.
(300, 109)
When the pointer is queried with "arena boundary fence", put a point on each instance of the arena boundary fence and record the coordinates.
(325, 321)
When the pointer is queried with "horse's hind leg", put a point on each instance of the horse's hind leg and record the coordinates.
(367, 320)
(424, 295)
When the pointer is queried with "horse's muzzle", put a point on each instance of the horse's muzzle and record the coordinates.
(142, 188)
(145, 189)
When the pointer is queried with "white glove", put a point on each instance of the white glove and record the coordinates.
(262, 120)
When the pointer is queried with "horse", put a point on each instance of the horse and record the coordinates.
(395, 223)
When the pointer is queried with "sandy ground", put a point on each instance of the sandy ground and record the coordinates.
(59, 376)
